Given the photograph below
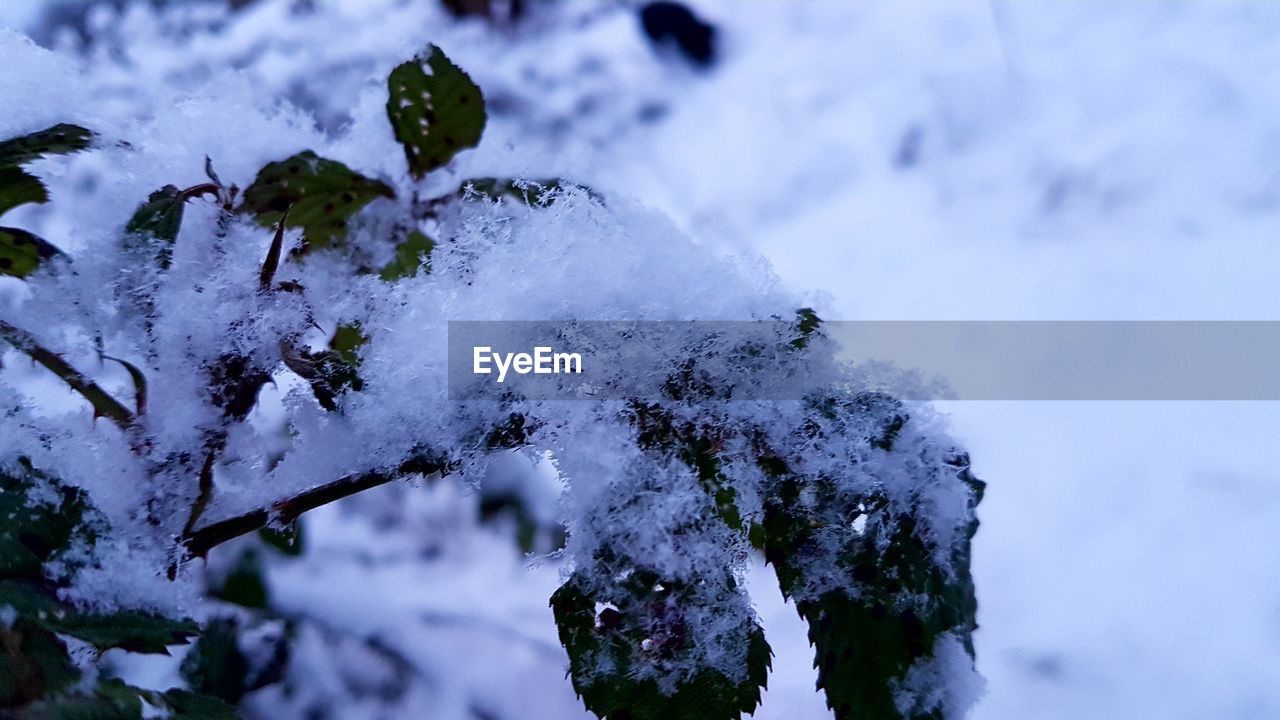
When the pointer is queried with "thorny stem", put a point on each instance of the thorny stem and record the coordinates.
(198, 542)
(103, 403)
(139, 382)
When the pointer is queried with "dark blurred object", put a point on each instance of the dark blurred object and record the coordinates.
(908, 155)
(498, 10)
(671, 23)
(72, 15)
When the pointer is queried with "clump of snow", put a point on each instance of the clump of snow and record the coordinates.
(944, 683)
(49, 84)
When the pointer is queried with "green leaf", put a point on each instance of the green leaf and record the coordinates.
(245, 585)
(153, 227)
(191, 706)
(18, 187)
(609, 650)
(347, 341)
(122, 695)
(320, 195)
(339, 368)
(112, 700)
(34, 600)
(39, 517)
(435, 110)
(57, 140)
(22, 253)
(899, 600)
(160, 216)
(412, 255)
(807, 323)
(129, 630)
(215, 665)
(33, 664)
(865, 644)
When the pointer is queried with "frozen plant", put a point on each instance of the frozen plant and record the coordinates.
(340, 285)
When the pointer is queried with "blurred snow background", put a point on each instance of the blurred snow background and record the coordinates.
(920, 160)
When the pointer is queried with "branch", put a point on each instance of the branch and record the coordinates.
(102, 402)
(199, 541)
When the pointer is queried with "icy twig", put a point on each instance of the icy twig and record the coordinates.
(199, 541)
(103, 403)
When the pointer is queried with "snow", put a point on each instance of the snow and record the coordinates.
(945, 682)
(921, 160)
